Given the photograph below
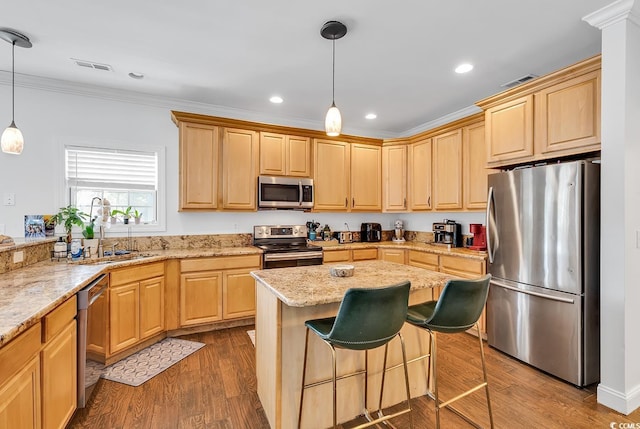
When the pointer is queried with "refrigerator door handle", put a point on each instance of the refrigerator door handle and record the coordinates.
(539, 295)
(488, 222)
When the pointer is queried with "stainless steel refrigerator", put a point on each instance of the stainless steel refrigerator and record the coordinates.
(543, 240)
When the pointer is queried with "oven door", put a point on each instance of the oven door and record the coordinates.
(285, 192)
(291, 259)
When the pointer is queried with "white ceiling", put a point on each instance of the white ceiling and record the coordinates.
(396, 60)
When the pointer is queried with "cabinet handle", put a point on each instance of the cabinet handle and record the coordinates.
(404, 203)
(346, 201)
(353, 202)
(429, 201)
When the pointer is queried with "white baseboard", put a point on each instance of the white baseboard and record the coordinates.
(624, 403)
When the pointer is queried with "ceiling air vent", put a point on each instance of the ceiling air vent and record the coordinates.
(92, 65)
(519, 81)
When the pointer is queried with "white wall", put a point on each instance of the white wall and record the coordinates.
(48, 119)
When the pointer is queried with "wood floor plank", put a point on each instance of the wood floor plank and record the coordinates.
(216, 388)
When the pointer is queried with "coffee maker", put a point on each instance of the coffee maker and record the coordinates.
(398, 232)
(448, 232)
(479, 236)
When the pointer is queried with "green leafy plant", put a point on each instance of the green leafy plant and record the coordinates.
(137, 214)
(69, 216)
(126, 214)
(87, 232)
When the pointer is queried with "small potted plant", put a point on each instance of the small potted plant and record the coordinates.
(69, 216)
(113, 216)
(87, 232)
(126, 214)
(137, 216)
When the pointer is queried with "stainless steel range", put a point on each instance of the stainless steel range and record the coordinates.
(285, 246)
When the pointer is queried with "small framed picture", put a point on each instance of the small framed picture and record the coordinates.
(34, 226)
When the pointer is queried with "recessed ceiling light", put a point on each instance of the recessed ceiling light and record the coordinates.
(371, 116)
(276, 99)
(134, 75)
(464, 68)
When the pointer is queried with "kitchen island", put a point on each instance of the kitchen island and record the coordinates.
(286, 298)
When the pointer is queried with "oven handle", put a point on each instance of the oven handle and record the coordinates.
(292, 256)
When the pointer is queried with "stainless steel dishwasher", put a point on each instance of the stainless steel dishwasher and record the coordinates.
(88, 374)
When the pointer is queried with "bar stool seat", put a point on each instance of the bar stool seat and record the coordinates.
(457, 309)
(368, 318)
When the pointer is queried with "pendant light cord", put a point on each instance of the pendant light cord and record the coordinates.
(13, 82)
(333, 75)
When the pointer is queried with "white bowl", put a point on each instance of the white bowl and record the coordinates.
(342, 270)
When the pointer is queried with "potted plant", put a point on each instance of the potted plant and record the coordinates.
(137, 216)
(87, 232)
(113, 216)
(126, 214)
(69, 216)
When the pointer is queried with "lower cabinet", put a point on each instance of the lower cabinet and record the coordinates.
(136, 305)
(348, 255)
(217, 288)
(392, 255)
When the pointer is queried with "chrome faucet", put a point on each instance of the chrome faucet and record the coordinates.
(113, 248)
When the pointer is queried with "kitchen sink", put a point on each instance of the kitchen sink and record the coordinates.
(118, 257)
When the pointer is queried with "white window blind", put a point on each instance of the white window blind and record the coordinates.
(111, 169)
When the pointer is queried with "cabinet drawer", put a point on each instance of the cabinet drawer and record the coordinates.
(140, 272)
(365, 254)
(336, 256)
(220, 263)
(18, 351)
(454, 263)
(422, 258)
(56, 320)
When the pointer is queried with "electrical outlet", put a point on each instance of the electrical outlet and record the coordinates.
(9, 199)
(18, 257)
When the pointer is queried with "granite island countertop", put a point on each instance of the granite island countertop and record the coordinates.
(29, 293)
(314, 285)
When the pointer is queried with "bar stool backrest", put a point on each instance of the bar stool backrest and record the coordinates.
(370, 317)
(460, 305)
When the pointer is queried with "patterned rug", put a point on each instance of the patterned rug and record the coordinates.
(252, 336)
(147, 363)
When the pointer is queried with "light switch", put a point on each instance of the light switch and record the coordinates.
(9, 199)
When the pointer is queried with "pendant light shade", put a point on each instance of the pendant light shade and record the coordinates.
(12, 140)
(333, 30)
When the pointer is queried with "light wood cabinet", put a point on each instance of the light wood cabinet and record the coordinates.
(366, 178)
(394, 178)
(429, 261)
(136, 306)
(284, 155)
(474, 168)
(567, 115)
(364, 254)
(20, 381)
(215, 289)
(348, 255)
(553, 116)
(199, 160)
(419, 168)
(332, 160)
(447, 170)
(240, 149)
(393, 255)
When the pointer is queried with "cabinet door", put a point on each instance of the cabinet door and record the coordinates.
(97, 325)
(199, 158)
(59, 378)
(394, 178)
(392, 255)
(331, 175)
(272, 154)
(364, 254)
(342, 255)
(474, 167)
(239, 169)
(238, 294)
(447, 170)
(20, 398)
(298, 156)
(419, 160)
(567, 115)
(424, 260)
(200, 298)
(366, 177)
(509, 130)
(124, 317)
(151, 307)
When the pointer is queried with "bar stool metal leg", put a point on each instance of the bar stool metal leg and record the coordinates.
(484, 374)
(304, 373)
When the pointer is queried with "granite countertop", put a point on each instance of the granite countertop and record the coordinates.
(407, 245)
(314, 285)
(29, 293)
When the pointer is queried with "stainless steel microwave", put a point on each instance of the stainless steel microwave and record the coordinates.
(276, 192)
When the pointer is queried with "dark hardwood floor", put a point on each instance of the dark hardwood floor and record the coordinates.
(216, 388)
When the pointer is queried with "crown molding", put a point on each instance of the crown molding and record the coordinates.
(615, 12)
(451, 117)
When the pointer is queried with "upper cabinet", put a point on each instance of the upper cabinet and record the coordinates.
(347, 177)
(239, 169)
(198, 166)
(285, 155)
(419, 167)
(474, 171)
(394, 178)
(447, 170)
(552, 116)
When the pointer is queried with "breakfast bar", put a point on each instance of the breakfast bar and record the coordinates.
(286, 298)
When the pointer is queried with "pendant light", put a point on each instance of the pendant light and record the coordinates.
(12, 140)
(333, 30)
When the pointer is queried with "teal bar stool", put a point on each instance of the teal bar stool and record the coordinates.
(457, 309)
(367, 318)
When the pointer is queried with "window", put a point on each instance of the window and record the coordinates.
(126, 178)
